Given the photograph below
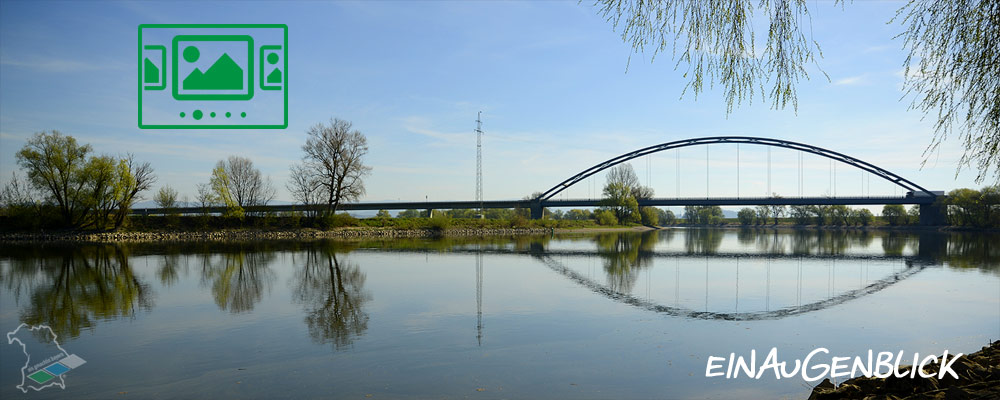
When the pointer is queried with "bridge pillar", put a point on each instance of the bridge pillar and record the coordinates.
(933, 214)
(536, 209)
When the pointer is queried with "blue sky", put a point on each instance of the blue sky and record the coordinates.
(550, 78)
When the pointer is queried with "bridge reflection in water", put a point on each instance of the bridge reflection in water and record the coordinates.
(625, 256)
(782, 273)
(709, 274)
(427, 317)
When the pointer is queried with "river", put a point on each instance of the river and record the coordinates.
(588, 315)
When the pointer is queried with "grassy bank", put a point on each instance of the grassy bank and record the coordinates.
(209, 223)
(297, 225)
(214, 223)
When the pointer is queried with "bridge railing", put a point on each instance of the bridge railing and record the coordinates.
(552, 203)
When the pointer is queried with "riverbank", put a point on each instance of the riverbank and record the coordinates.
(978, 378)
(259, 234)
(881, 228)
(368, 232)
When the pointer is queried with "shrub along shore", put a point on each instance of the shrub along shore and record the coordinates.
(260, 234)
(184, 228)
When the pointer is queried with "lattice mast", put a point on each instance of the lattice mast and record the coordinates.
(479, 164)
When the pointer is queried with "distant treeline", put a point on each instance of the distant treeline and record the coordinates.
(64, 185)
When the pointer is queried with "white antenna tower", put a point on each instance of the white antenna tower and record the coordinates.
(479, 164)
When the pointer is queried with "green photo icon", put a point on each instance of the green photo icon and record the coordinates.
(215, 76)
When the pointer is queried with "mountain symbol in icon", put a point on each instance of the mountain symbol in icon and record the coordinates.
(224, 74)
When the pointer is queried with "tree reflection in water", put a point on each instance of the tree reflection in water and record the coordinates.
(894, 243)
(238, 277)
(703, 240)
(83, 285)
(169, 271)
(74, 287)
(332, 291)
(625, 254)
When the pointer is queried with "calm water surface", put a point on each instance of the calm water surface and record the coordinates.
(608, 315)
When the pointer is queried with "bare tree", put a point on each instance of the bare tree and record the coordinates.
(333, 167)
(304, 187)
(206, 197)
(246, 184)
(624, 175)
(18, 192)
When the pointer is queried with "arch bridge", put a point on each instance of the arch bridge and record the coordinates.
(930, 210)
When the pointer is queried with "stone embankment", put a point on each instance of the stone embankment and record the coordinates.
(978, 378)
(343, 233)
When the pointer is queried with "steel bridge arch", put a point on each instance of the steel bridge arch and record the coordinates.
(833, 155)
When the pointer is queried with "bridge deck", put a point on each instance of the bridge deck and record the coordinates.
(447, 205)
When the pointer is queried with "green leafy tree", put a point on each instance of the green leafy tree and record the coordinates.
(622, 193)
(605, 217)
(822, 214)
(411, 213)
(619, 200)
(990, 198)
(763, 213)
(703, 215)
(166, 197)
(746, 216)
(383, 214)
(667, 217)
(894, 214)
(863, 217)
(840, 215)
(711, 215)
(913, 215)
(802, 215)
(56, 164)
(776, 210)
(499, 213)
(87, 192)
(970, 207)
(220, 188)
(132, 178)
(578, 215)
(649, 216)
(99, 191)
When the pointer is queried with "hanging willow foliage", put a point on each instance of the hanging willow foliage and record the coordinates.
(715, 41)
(953, 73)
(952, 70)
